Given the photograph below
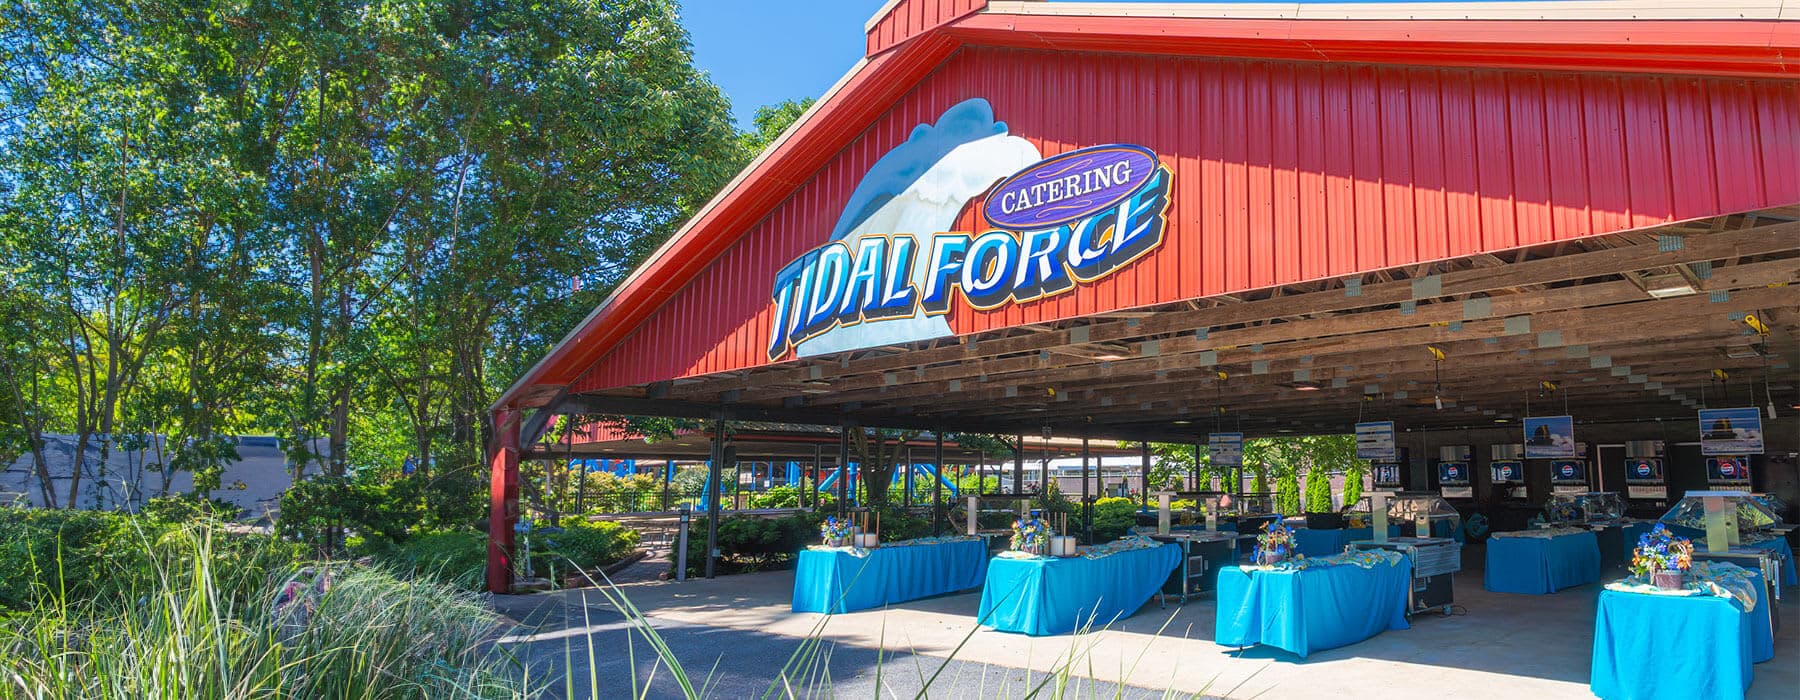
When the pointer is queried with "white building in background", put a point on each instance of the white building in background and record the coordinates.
(253, 482)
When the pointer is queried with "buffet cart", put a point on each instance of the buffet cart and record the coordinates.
(1424, 514)
(1435, 561)
(1602, 512)
(1203, 554)
(1743, 530)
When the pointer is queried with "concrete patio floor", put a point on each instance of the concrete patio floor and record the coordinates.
(1499, 646)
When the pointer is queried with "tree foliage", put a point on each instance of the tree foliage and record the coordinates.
(348, 224)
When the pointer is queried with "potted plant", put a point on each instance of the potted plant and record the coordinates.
(835, 533)
(1274, 544)
(1031, 536)
(1662, 558)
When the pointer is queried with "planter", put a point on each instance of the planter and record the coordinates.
(1668, 580)
(837, 541)
(1039, 549)
(1270, 558)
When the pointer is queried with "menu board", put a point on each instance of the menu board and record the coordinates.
(1375, 441)
(1549, 437)
(1731, 431)
(1225, 449)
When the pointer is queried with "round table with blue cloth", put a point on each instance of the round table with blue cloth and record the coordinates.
(1540, 565)
(1049, 595)
(1311, 609)
(1652, 647)
(840, 580)
(1323, 543)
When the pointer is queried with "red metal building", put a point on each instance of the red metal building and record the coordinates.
(1301, 149)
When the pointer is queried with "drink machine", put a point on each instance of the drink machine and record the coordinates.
(1508, 465)
(1644, 481)
(1453, 472)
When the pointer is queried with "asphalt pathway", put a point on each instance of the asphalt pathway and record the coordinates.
(592, 651)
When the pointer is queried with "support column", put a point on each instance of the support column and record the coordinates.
(1195, 477)
(503, 491)
(668, 471)
(813, 478)
(843, 468)
(1087, 522)
(1144, 485)
(716, 470)
(908, 500)
(1019, 465)
(937, 487)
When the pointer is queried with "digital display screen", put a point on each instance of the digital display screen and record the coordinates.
(1456, 473)
(1568, 471)
(1643, 469)
(1727, 469)
(1509, 471)
(1387, 474)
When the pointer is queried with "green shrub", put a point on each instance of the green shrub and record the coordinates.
(590, 545)
(752, 544)
(320, 511)
(87, 555)
(199, 629)
(185, 508)
(1113, 518)
(456, 557)
(1318, 492)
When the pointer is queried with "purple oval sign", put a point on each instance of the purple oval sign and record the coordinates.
(1071, 186)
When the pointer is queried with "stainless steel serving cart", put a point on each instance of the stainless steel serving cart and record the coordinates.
(1203, 553)
(1435, 561)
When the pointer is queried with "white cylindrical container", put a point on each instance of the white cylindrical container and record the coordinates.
(868, 540)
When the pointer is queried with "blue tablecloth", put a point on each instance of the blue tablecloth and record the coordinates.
(1312, 609)
(1324, 543)
(1779, 544)
(1056, 596)
(1541, 564)
(1648, 647)
(835, 581)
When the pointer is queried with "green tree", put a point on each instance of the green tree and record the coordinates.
(1318, 491)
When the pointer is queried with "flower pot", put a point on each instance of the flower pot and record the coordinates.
(837, 541)
(1270, 558)
(1667, 580)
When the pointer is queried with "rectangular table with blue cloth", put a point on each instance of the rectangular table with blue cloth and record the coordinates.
(1650, 647)
(1541, 564)
(1312, 609)
(1323, 543)
(1050, 595)
(839, 580)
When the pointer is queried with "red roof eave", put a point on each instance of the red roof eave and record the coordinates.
(1745, 48)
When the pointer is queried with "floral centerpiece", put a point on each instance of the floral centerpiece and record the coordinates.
(1274, 544)
(1662, 557)
(1031, 535)
(836, 533)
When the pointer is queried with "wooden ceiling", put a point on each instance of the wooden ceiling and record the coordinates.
(1318, 357)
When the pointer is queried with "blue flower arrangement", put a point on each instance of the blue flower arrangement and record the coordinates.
(1661, 551)
(1031, 534)
(834, 533)
(1274, 544)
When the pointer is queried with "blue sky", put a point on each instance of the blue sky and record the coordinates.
(764, 51)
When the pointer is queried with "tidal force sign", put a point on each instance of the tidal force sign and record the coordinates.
(1063, 221)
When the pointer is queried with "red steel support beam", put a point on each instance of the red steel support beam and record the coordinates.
(504, 494)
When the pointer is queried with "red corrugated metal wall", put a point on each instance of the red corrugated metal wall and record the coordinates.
(1287, 172)
(910, 18)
